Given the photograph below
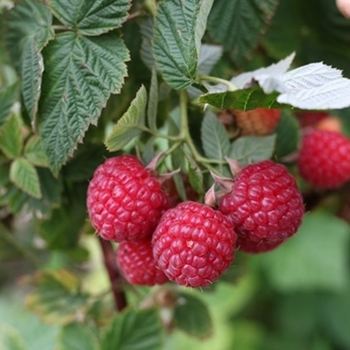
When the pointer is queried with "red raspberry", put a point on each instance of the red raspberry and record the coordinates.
(324, 159)
(193, 244)
(264, 205)
(135, 260)
(124, 201)
(259, 121)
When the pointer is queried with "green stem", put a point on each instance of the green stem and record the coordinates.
(185, 132)
(230, 86)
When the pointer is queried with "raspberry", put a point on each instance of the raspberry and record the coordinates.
(124, 200)
(194, 244)
(265, 205)
(260, 121)
(324, 159)
(135, 260)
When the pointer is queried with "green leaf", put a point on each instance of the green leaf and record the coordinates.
(23, 174)
(252, 149)
(8, 96)
(152, 107)
(287, 134)
(28, 20)
(146, 24)
(214, 137)
(192, 316)
(75, 336)
(316, 258)
(91, 18)
(238, 24)
(57, 297)
(134, 330)
(80, 74)
(178, 30)
(128, 126)
(27, 31)
(34, 152)
(244, 100)
(10, 338)
(11, 137)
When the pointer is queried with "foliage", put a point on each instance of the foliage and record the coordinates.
(82, 81)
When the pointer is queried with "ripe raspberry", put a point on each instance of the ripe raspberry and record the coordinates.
(135, 260)
(264, 205)
(324, 159)
(260, 121)
(310, 118)
(330, 123)
(124, 201)
(193, 244)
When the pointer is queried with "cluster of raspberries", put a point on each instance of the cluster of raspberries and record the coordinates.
(191, 244)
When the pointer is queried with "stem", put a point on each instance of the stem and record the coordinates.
(113, 274)
(185, 132)
(230, 86)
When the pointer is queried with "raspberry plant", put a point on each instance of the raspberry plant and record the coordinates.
(127, 130)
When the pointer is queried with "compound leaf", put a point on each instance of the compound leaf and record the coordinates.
(238, 24)
(81, 73)
(91, 17)
(8, 96)
(178, 30)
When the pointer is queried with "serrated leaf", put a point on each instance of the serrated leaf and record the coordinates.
(238, 24)
(287, 134)
(313, 259)
(8, 96)
(91, 18)
(11, 137)
(27, 30)
(191, 315)
(23, 174)
(134, 330)
(146, 24)
(244, 100)
(252, 149)
(152, 107)
(178, 30)
(10, 338)
(28, 20)
(31, 72)
(80, 74)
(214, 137)
(314, 86)
(77, 336)
(128, 126)
(57, 297)
(34, 152)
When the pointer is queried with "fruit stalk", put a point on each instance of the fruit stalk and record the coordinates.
(113, 274)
